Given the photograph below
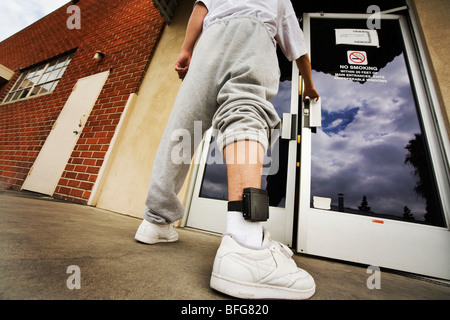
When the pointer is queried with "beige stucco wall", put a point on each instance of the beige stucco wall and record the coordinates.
(128, 172)
(434, 19)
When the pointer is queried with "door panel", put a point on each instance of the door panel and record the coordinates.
(370, 162)
(52, 159)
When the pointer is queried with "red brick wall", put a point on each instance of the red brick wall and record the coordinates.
(128, 32)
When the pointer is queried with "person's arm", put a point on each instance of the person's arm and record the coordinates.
(304, 65)
(193, 31)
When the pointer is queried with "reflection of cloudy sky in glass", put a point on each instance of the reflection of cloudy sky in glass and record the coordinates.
(360, 149)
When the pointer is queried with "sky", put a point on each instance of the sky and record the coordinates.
(16, 15)
(360, 149)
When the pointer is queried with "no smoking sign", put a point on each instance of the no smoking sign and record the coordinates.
(357, 57)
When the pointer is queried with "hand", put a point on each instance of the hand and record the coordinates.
(311, 93)
(182, 64)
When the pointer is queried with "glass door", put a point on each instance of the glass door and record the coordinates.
(207, 203)
(374, 184)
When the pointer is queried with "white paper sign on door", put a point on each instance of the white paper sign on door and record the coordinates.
(360, 37)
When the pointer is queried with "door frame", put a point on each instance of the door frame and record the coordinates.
(375, 241)
(198, 210)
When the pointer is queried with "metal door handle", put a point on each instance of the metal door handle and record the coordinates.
(312, 113)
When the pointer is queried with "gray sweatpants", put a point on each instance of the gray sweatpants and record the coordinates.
(233, 73)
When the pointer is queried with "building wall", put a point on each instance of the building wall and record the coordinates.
(130, 165)
(434, 21)
(128, 32)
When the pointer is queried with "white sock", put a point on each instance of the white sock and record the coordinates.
(247, 232)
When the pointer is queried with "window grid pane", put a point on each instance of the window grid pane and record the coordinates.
(21, 77)
(39, 80)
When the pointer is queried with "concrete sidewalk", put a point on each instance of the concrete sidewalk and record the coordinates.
(41, 237)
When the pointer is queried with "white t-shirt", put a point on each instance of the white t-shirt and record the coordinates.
(277, 15)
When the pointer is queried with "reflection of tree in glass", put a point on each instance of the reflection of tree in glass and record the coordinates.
(407, 215)
(418, 159)
(364, 205)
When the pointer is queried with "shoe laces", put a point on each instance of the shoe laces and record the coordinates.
(284, 249)
(276, 244)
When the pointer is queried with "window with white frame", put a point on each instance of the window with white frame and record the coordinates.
(39, 80)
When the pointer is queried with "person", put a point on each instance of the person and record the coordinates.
(227, 82)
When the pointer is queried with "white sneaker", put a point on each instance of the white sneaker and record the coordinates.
(267, 273)
(152, 233)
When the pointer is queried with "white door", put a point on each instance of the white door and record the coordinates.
(207, 205)
(49, 165)
(374, 183)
